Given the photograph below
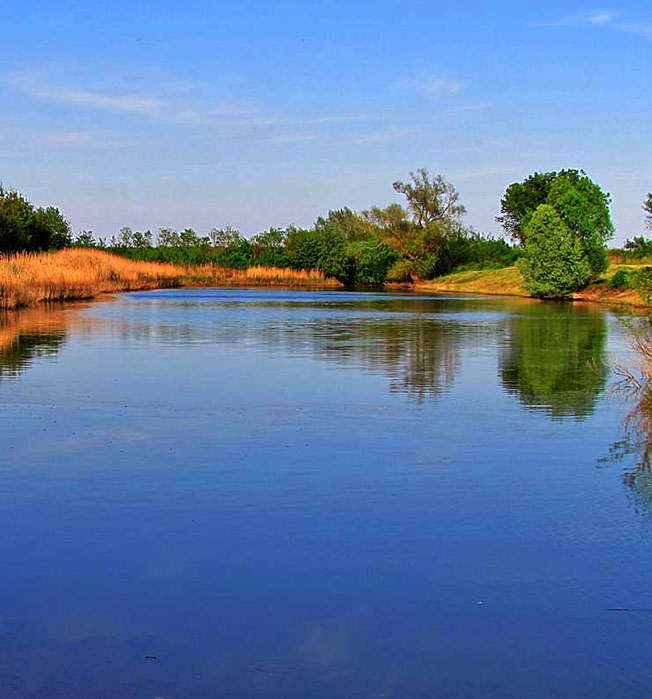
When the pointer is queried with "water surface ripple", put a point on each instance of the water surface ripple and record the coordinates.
(242, 493)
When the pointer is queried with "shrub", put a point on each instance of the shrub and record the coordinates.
(553, 264)
(370, 260)
(620, 280)
(641, 280)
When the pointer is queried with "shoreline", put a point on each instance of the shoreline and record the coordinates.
(83, 275)
(508, 282)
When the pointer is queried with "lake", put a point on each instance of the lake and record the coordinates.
(265, 493)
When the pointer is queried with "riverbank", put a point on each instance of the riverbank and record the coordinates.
(76, 274)
(81, 274)
(509, 282)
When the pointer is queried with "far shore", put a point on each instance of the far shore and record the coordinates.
(76, 274)
(509, 282)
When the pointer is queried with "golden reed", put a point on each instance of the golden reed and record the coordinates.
(260, 276)
(27, 279)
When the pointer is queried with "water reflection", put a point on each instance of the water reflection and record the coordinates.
(29, 334)
(420, 356)
(553, 357)
(635, 383)
(554, 360)
(416, 343)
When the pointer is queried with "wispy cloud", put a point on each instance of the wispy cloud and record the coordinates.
(73, 139)
(381, 136)
(298, 137)
(373, 137)
(436, 88)
(85, 98)
(224, 114)
(603, 19)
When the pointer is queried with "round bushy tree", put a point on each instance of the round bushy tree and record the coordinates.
(554, 263)
(580, 202)
(584, 208)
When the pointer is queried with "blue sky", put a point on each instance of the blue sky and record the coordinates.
(263, 114)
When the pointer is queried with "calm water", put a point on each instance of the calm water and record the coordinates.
(296, 494)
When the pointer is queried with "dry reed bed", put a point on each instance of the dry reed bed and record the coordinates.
(260, 276)
(28, 279)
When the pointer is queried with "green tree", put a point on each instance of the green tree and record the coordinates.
(24, 227)
(415, 245)
(423, 233)
(371, 260)
(269, 248)
(223, 237)
(15, 218)
(351, 225)
(49, 230)
(553, 263)
(580, 202)
(85, 239)
(521, 200)
(647, 208)
(142, 239)
(188, 238)
(322, 247)
(168, 238)
(125, 238)
(584, 208)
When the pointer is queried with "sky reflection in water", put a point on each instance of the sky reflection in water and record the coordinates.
(327, 495)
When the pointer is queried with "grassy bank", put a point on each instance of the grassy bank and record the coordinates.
(496, 282)
(32, 278)
(509, 282)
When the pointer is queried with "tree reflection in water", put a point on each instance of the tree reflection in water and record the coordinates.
(554, 360)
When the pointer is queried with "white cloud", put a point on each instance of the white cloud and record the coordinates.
(604, 19)
(436, 88)
(84, 98)
(226, 114)
(601, 17)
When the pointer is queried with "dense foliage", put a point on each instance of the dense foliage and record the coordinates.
(419, 241)
(563, 245)
(560, 222)
(24, 227)
(580, 202)
(554, 263)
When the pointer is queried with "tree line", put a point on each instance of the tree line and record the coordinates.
(421, 239)
(557, 223)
